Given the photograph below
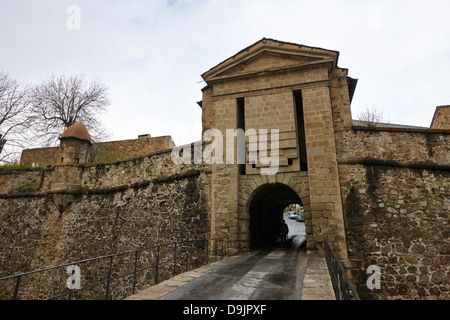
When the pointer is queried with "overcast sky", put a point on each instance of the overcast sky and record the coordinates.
(151, 54)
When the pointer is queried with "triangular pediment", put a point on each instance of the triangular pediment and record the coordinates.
(267, 55)
(267, 60)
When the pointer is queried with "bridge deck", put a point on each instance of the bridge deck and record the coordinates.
(276, 274)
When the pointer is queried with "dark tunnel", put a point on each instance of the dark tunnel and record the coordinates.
(266, 211)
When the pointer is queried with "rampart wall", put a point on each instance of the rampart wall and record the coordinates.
(396, 199)
(101, 152)
(394, 186)
(441, 119)
(118, 206)
(379, 195)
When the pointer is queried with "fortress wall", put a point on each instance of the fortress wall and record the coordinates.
(381, 195)
(43, 157)
(101, 152)
(118, 207)
(21, 181)
(397, 219)
(396, 200)
(405, 146)
(441, 118)
(133, 148)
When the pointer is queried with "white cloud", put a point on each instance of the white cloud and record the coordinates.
(151, 53)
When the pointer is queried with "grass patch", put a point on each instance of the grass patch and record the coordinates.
(18, 166)
(29, 187)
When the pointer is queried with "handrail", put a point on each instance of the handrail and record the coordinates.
(192, 249)
(343, 287)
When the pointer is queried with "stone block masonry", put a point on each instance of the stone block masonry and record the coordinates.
(325, 197)
(118, 207)
(101, 152)
(266, 77)
(396, 211)
(397, 219)
(441, 118)
(379, 195)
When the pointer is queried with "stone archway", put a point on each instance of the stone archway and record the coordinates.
(266, 209)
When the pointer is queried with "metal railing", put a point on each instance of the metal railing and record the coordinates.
(151, 264)
(343, 287)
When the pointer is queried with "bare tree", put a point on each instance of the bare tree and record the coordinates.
(370, 117)
(15, 102)
(60, 102)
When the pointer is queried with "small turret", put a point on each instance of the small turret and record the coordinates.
(75, 145)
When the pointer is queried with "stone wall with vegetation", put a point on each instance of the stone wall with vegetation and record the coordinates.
(119, 206)
(100, 152)
(41, 157)
(395, 188)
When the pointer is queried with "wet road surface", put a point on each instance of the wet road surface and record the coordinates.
(272, 273)
(264, 275)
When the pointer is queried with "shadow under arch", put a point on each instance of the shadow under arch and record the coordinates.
(266, 210)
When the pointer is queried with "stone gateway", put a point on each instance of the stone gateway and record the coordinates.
(378, 194)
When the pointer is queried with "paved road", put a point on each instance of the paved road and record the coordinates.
(268, 274)
(264, 275)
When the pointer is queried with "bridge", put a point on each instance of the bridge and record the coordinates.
(274, 272)
(265, 274)
(269, 273)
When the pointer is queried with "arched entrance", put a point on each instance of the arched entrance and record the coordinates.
(266, 211)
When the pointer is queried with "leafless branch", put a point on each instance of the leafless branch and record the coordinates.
(15, 103)
(62, 101)
(371, 117)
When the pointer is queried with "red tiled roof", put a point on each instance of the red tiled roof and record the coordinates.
(77, 130)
